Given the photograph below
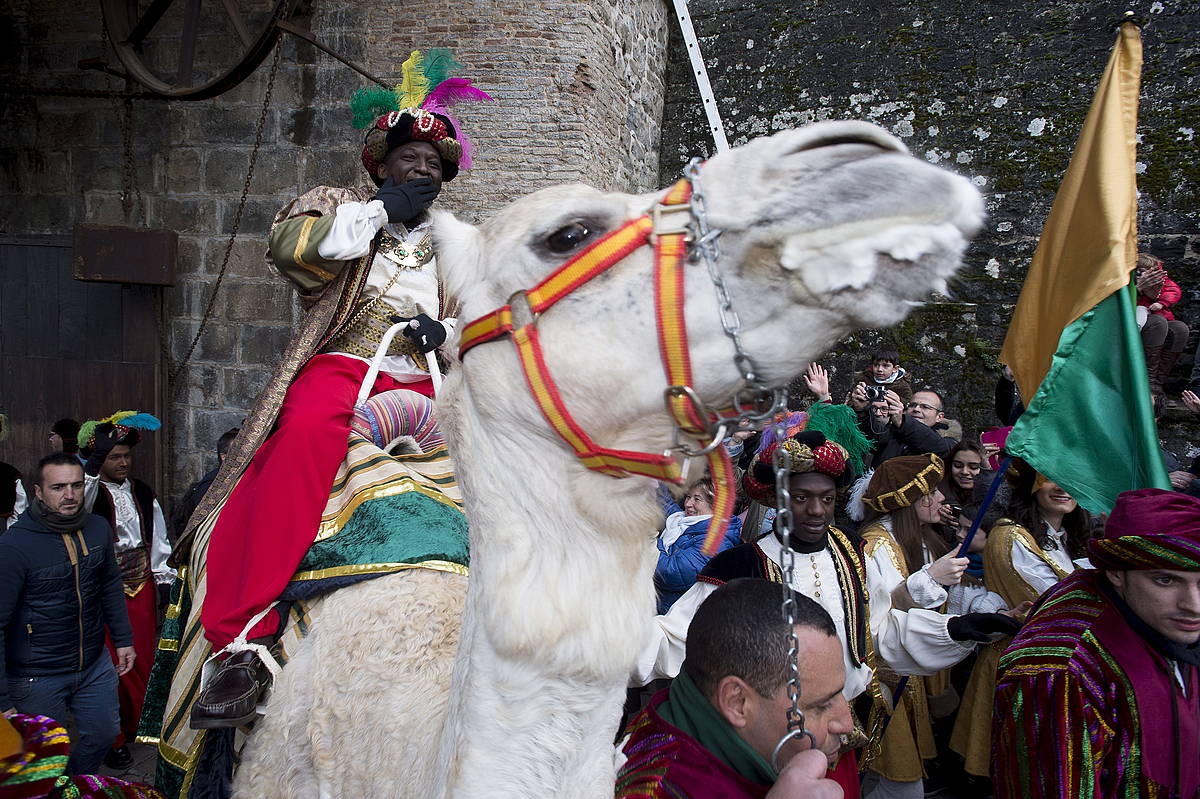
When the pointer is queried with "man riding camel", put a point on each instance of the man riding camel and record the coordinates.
(366, 257)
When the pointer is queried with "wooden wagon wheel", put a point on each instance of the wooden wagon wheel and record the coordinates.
(181, 50)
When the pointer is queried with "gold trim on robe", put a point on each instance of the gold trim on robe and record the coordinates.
(972, 736)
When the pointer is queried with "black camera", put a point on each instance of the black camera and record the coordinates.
(876, 394)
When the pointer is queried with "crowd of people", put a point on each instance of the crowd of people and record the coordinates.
(941, 641)
(84, 582)
(943, 603)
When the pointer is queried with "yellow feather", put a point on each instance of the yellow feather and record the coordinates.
(413, 86)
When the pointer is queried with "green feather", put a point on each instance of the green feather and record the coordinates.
(370, 103)
(87, 431)
(439, 65)
(840, 423)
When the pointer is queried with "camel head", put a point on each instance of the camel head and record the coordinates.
(824, 230)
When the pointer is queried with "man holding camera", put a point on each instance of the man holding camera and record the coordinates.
(899, 428)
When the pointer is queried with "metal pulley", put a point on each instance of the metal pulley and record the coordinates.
(189, 50)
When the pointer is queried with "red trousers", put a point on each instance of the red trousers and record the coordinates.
(131, 689)
(271, 517)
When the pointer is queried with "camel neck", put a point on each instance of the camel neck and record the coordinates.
(560, 586)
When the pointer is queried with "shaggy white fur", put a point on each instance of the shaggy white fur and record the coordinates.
(359, 708)
(826, 229)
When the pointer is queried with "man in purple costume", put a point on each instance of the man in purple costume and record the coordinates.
(1099, 694)
(713, 732)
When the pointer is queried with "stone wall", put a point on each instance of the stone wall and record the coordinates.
(995, 91)
(578, 89)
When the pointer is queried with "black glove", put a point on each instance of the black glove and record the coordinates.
(981, 626)
(428, 335)
(405, 202)
(104, 442)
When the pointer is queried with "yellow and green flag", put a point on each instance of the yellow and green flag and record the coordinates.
(1073, 342)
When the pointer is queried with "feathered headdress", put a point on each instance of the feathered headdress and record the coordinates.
(125, 426)
(417, 110)
(826, 440)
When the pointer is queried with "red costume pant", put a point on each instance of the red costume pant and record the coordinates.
(131, 688)
(271, 517)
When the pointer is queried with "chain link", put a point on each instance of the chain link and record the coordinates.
(129, 187)
(237, 218)
(755, 402)
(752, 407)
(787, 564)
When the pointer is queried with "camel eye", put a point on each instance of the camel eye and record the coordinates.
(568, 237)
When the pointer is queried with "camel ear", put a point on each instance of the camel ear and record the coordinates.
(459, 248)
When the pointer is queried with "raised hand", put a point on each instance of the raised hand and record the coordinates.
(948, 569)
(405, 202)
(816, 379)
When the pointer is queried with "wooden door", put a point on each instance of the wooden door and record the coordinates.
(75, 349)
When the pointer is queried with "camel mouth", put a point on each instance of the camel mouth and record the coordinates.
(911, 255)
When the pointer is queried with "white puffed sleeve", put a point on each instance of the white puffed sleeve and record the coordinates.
(354, 227)
(160, 548)
(1033, 570)
(974, 599)
(913, 641)
(20, 503)
(666, 638)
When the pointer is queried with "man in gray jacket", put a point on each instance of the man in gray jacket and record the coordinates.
(59, 589)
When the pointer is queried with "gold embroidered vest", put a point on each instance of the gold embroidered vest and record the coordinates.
(371, 319)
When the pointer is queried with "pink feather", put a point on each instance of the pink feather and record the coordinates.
(450, 92)
(464, 162)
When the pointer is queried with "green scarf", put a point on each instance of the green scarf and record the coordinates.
(688, 709)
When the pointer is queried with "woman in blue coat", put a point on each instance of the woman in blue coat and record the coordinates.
(682, 538)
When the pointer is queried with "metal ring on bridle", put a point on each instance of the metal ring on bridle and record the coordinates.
(791, 734)
(717, 428)
(686, 451)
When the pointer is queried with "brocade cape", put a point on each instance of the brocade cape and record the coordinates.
(972, 736)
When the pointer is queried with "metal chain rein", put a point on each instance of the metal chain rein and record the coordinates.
(749, 402)
(755, 402)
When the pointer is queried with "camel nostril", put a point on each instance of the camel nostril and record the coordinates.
(860, 139)
(837, 140)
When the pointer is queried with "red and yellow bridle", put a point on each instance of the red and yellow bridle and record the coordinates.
(670, 241)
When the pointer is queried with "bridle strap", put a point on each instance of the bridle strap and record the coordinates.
(670, 257)
(671, 248)
(596, 259)
(613, 462)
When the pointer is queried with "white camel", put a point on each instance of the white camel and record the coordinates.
(826, 229)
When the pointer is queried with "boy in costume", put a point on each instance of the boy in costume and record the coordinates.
(140, 535)
(1099, 694)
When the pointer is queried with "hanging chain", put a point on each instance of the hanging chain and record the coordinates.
(237, 217)
(752, 407)
(787, 563)
(755, 402)
(129, 187)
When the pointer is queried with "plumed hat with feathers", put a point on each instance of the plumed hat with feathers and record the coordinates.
(417, 110)
(123, 427)
(825, 440)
